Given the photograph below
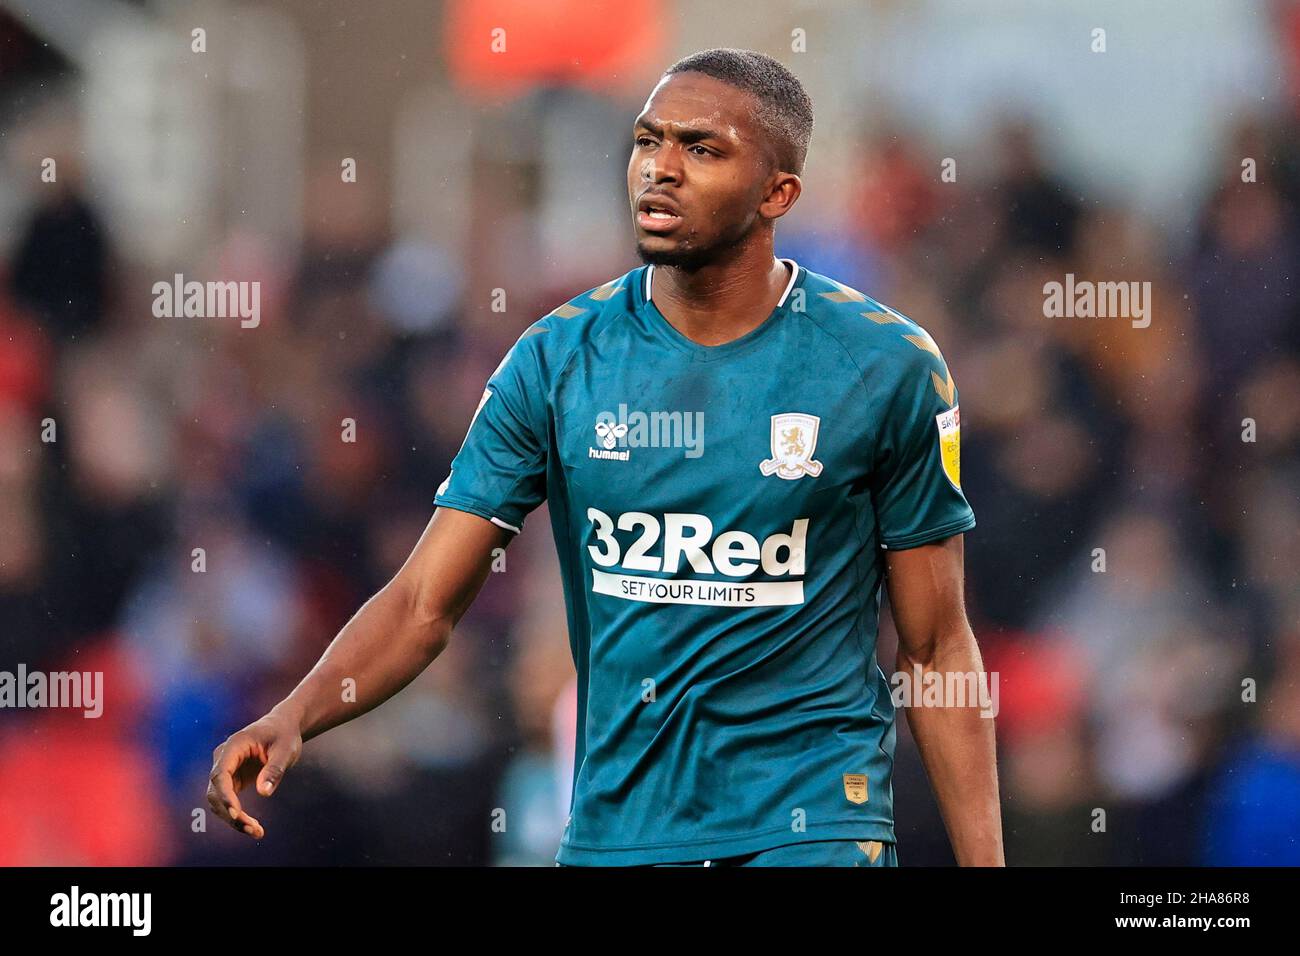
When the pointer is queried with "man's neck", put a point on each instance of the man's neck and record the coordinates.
(719, 303)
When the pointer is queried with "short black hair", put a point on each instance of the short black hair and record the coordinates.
(787, 111)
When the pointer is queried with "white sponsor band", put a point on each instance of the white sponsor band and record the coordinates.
(686, 591)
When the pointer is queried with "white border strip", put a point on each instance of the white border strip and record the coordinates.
(794, 274)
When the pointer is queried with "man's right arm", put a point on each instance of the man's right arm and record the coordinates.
(384, 647)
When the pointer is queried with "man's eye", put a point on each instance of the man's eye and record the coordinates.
(703, 151)
(643, 140)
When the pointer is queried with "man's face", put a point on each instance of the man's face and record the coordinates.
(701, 160)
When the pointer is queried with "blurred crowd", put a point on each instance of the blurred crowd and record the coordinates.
(1134, 578)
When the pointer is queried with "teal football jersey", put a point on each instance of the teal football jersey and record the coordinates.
(720, 515)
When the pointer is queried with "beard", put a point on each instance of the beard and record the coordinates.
(689, 256)
(687, 259)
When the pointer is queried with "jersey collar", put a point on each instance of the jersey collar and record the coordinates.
(706, 352)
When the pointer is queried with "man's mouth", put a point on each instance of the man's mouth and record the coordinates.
(659, 222)
(658, 217)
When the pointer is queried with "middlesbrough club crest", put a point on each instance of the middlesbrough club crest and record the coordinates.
(794, 437)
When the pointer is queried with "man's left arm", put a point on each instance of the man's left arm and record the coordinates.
(956, 743)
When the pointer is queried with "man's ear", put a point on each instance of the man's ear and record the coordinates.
(781, 196)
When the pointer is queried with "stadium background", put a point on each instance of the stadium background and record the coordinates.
(479, 171)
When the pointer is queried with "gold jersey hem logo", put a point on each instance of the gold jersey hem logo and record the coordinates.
(855, 787)
(871, 848)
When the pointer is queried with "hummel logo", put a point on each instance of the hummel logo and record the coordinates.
(610, 433)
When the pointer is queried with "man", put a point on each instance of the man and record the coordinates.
(735, 450)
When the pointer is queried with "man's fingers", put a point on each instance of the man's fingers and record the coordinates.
(217, 802)
(248, 824)
(269, 779)
(222, 784)
(246, 759)
(235, 765)
(221, 795)
(278, 759)
(226, 805)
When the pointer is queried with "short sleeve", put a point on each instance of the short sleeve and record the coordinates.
(916, 483)
(500, 471)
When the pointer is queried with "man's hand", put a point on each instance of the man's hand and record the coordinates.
(261, 752)
(383, 648)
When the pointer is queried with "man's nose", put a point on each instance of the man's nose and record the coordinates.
(664, 165)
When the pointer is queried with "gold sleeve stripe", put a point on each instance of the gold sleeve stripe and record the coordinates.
(606, 291)
(945, 388)
(881, 317)
(926, 343)
(567, 311)
(845, 294)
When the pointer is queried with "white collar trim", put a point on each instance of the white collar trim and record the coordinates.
(794, 274)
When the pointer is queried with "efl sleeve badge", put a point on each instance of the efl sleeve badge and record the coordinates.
(949, 423)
